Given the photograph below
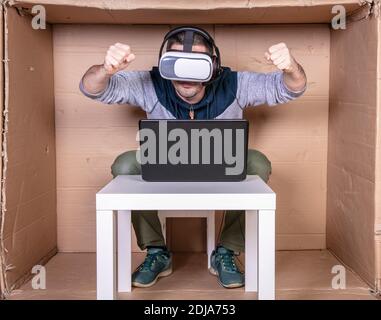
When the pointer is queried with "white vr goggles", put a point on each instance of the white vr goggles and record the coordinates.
(186, 66)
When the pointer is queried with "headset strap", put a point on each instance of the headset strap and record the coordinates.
(188, 41)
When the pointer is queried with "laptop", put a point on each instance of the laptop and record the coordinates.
(193, 150)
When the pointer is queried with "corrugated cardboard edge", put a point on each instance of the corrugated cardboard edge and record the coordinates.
(1, 126)
(4, 159)
(184, 5)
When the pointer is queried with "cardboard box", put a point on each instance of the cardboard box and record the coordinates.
(57, 145)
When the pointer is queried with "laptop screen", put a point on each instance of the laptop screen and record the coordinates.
(193, 150)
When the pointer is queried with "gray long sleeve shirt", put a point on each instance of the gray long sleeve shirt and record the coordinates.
(137, 88)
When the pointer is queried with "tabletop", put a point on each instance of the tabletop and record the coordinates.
(130, 192)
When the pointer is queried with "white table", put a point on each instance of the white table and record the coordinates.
(129, 192)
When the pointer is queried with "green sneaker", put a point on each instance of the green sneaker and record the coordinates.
(157, 263)
(223, 266)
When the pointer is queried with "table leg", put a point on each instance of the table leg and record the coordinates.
(124, 251)
(266, 255)
(251, 250)
(106, 257)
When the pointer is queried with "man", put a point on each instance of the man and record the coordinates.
(223, 98)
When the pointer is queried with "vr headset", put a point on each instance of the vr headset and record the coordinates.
(187, 65)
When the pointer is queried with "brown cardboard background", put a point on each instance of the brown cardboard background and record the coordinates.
(285, 132)
(30, 185)
(90, 135)
(352, 146)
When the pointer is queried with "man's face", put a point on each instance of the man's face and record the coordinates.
(188, 89)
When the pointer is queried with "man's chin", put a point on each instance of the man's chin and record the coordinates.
(187, 95)
(186, 92)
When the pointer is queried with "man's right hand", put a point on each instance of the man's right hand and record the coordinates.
(118, 57)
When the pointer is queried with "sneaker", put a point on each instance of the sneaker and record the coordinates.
(157, 263)
(222, 262)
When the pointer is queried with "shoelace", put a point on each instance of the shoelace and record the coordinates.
(228, 262)
(150, 260)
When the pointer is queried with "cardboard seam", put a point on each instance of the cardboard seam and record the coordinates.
(372, 287)
(28, 276)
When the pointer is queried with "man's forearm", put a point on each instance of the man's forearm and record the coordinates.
(295, 78)
(95, 79)
(118, 57)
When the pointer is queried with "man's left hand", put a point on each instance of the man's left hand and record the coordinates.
(281, 57)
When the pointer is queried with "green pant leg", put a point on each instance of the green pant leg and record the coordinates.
(233, 232)
(146, 223)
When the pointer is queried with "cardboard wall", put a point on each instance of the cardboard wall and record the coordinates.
(378, 169)
(30, 177)
(90, 135)
(352, 147)
(294, 135)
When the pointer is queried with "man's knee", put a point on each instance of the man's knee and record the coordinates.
(258, 163)
(125, 163)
